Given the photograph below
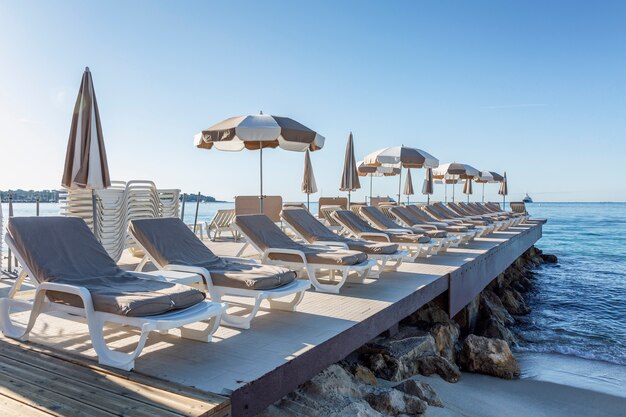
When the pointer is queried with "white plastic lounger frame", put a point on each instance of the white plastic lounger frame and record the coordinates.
(202, 281)
(381, 259)
(220, 223)
(209, 312)
(415, 250)
(362, 270)
(452, 240)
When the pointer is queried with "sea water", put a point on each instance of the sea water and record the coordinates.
(578, 306)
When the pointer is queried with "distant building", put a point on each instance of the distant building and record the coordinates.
(30, 196)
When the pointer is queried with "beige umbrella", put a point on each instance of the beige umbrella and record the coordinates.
(308, 180)
(375, 171)
(427, 188)
(256, 132)
(453, 172)
(404, 157)
(86, 161)
(408, 186)
(349, 177)
(485, 177)
(504, 189)
(467, 188)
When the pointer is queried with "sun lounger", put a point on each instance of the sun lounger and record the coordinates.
(276, 248)
(73, 274)
(308, 228)
(442, 215)
(172, 247)
(447, 239)
(498, 222)
(495, 208)
(377, 218)
(417, 245)
(220, 223)
(501, 218)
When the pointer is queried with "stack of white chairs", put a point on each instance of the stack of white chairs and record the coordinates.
(116, 206)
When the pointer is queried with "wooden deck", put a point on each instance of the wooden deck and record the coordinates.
(284, 349)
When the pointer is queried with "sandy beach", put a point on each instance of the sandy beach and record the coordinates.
(551, 385)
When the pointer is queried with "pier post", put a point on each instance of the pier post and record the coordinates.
(195, 219)
(182, 210)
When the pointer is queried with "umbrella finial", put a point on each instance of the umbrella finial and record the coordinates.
(86, 69)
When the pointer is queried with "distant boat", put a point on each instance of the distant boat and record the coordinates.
(527, 199)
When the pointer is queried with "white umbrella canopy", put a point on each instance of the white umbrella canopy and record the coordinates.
(485, 177)
(453, 172)
(376, 171)
(309, 186)
(402, 156)
(350, 177)
(255, 132)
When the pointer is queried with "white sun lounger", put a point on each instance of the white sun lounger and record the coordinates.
(171, 246)
(75, 286)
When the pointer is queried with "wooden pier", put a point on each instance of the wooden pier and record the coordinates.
(250, 369)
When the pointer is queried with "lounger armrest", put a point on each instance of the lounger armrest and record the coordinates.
(148, 276)
(269, 251)
(341, 245)
(82, 292)
(406, 231)
(374, 234)
(239, 260)
(426, 226)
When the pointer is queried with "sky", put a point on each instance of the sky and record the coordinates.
(533, 88)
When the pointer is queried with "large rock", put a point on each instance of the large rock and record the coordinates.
(421, 390)
(396, 360)
(446, 337)
(514, 302)
(429, 314)
(549, 259)
(364, 375)
(393, 402)
(491, 306)
(494, 329)
(488, 356)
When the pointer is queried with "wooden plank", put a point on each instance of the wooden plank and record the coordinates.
(13, 408)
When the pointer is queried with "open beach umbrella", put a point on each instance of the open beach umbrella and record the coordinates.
(375, 171)
(404, 157)
(308, 181)
(485, 177)
(350, 177)
(467, 188)
(408, 186)
(255, 132)
(453, 172)
(428, 188)
(504, 190)
(86, 161)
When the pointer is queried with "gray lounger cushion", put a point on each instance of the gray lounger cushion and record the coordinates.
(170, 242)
(314, 231)
(265, 235)
(409, 217)
(63, 250)
(358, 225)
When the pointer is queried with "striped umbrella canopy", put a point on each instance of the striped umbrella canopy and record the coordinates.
(487, 177)
(375, 171)
(408, 186)
(86, 160)
(428, 188)
(349, 177)
(453, 172)
(467, 188)
(255, 132)
(403, 156)
(309, 185)
(86, 165)
(504, 189)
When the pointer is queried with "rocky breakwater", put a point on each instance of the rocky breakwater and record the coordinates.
(382, 377)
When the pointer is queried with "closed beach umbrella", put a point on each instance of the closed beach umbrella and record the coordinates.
(408, 186)
(427, 188)
(504, 189)
(375, 171)
(467, 188)
(86, 161)
(308, 181)
(349, 177)
(453, 172)
(255, 132)
(404, 157)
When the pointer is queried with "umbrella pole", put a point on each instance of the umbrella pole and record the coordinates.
(261, 177)
(428, 199)
(348, 200)
(371, 180)
(445, 191)
(483, 192)
(94, 214)
(400, 185)
(453, 192)
(307, 201)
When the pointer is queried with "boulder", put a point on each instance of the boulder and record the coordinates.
(430, 313)
(446, 337)
(393, 402)
(514, 302)
(491, 306)
(494, 329)
(364, 375)
(435, 364)
(549, 258)
(421, 390)
(488, 356)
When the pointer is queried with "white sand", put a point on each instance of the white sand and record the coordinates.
(551, 385)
